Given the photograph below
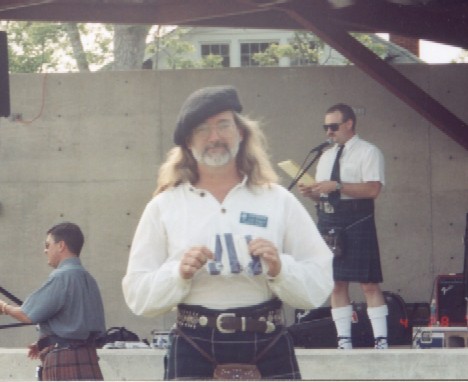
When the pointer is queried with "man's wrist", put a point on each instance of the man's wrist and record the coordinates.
(338, 186)
(3, 307)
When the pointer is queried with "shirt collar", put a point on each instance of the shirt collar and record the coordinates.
(189, 186)
(70, 261)
(349, 143)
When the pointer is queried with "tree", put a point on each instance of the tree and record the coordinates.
(129, 46)
(40, 47)
(305, 49)
(32, 47)
(168, 42)
(77, 46)
(171, 45)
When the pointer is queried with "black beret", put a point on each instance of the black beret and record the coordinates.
(202, 104)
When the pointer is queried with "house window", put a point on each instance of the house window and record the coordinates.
(218, 50)
(248, 49)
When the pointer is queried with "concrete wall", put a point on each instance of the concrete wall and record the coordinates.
(315, 364)
(89, 145)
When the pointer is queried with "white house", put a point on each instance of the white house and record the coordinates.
(238, 45)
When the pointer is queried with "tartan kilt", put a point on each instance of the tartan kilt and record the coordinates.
(184, 362)
(71, 364)
(361, 259)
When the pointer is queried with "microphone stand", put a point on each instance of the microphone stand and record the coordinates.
(303, 171)
(16, 300)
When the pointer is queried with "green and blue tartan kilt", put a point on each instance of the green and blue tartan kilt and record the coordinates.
(361, 259)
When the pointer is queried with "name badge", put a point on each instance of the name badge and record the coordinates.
(253, 219)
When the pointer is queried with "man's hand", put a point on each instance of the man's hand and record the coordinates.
(33, 352)
(324, 187)
(268, 252)
(313, 191)
(305, 190)
(194, 259)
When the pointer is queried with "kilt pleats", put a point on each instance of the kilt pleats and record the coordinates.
(71, 364)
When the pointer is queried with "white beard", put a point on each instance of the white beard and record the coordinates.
(216, 159)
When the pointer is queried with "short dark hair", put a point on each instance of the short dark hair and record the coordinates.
(346, 111)
(70, 233)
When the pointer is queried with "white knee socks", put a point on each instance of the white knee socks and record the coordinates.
(378, 319)
(342, 317)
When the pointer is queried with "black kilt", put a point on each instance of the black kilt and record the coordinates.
(361, 259)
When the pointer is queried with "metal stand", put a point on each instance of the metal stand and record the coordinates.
(15, 300)
(302, 172)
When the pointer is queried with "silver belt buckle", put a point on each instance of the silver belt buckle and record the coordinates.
(219, 322)
(328, 208)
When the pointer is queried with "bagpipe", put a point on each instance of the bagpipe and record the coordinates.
(16, 300)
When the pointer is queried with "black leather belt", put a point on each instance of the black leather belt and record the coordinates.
(346, 206)
(230, 322)
(59, 342)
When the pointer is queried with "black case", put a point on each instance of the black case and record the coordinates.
(317, 330)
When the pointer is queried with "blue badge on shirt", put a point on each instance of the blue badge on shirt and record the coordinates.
(253, 219)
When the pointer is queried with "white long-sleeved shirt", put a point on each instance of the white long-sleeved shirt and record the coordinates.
(184, 216)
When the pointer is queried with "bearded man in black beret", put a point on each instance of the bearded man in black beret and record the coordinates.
(226, 245)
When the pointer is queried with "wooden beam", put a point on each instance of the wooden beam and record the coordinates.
(176, 12)
(382, 72)
(441, 24)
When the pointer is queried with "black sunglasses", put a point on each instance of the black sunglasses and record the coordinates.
(332, 126)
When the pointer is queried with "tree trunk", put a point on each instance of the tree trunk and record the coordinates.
(77, 46)
(129, 46)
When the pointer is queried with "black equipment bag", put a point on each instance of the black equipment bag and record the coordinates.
(316, 329)
(117, 333)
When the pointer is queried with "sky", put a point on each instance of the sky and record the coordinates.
(434, 53)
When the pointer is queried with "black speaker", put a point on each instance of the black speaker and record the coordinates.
(451, 304)
(4, 77)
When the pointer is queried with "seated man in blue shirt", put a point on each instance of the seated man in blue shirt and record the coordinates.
(68, 308)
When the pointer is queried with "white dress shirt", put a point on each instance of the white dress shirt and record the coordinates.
(184, 216)
(360, 162)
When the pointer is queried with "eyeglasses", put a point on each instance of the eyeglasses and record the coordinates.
(222, 128)
(332, 126)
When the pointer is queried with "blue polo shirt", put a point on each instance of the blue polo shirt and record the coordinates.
(69, 303)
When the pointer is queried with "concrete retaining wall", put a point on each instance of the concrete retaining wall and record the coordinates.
(315, 364)
(88, 146)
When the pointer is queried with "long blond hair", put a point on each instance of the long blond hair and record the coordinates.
(252, 160)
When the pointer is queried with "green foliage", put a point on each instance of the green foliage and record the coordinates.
(212, 61)
(303, 49)
(175, 49)
(32, 47)
(100, 52)
(40, 47)
(367, 40)
(45, 47)
(306, 48)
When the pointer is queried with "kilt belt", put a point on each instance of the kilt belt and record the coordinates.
(59, 342)
(259, 321)
(346, 206)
